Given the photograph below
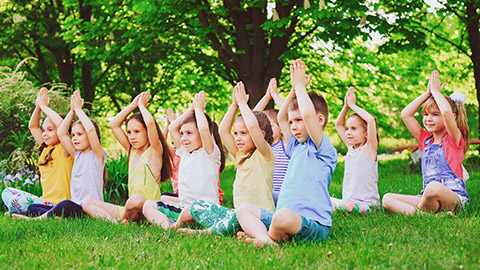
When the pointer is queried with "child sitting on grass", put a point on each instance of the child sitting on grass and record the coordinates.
(360, 190)
(304, 208)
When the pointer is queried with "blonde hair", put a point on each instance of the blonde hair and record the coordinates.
(459, 110)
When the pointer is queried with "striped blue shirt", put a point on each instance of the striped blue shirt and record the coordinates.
(281, 165)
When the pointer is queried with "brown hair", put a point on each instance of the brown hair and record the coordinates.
(97, 129)
(166, 172)
(364, 123)
(213, 127)
(319, 104)
(272, 115)
(459, 110)
(265, 126)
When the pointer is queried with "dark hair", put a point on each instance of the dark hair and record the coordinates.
(213, 127)
(364, 123)
(166, 171)
(272, 115)
(459, 110)
(318, 102)
(265, 126)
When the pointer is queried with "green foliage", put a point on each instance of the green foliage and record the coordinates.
(116, 183)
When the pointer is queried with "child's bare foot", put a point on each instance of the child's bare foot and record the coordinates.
(446, 214)
(241, 235)
(7, 213)
(124, 221)
(260, 243)
(18, 216)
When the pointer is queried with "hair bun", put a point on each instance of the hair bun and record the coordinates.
(458, 98)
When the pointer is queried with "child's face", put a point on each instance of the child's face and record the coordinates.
(354, 131)
(277, 133)
(190, 137)
(49, 133)
(297, 126)
(80, 139)
(137, 134)
(433, 121)
(242, 137)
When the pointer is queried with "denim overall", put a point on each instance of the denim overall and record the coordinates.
(435, 168)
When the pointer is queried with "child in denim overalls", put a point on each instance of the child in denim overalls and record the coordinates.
(444, 144)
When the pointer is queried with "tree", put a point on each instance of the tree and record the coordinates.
(453, 23)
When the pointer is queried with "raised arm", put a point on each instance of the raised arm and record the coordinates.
(313, 122)
(153, 136)
(34, 124)
(225, 128)
(372, 144)
(42, 101)
(340, 122)
(445, 109)
(282, 116)
(266, 98)
(62, 133)
(202, 123)
(170, 118)
(175, 126)
(272, 88)
(77, 103)
(251, 121)
(408, 114)
(117, 121)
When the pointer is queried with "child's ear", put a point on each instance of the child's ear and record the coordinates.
(263, 133)
(321, 119)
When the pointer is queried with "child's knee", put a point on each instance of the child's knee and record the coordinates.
(148, 205)
(433, 189)
(284, 219)
(135, 202)
(387, 200)
(87, 204)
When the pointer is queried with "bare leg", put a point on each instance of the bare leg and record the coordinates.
(170, 200)
(133, 208)
(438, 197)
(249, 216)
(399, 203)
(102, 210)
(194, 232)
(151, 213)
(184, 218)
(285, 223)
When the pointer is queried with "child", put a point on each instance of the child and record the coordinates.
(254, 159)
(88, 166)
(444, 143)
(360, 190)
(278, 145)
(172, 198)
(198, 144)
(148, 163)
(304, 208)
(54, 164)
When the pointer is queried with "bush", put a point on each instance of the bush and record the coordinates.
(18, 102)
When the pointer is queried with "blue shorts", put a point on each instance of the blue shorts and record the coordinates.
(311, 230)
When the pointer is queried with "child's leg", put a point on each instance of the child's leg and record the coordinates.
(249, 216)
(438, 197)
(285, 223)
(184, 218)
(18, 201)
(218, 219)
(151, 213)
(350, 205)
(170, 199)
(399, 203)
(66, 209)
(36, 210)
(103, 210)
(133, 208)
(335, 202)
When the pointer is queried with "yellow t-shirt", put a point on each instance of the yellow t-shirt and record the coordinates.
(254, 181)
(141, 180)
(55, 175)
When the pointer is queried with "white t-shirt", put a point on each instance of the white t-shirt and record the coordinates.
(198, 175)
(87, 177)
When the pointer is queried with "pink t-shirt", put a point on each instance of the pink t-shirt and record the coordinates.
(453, 152)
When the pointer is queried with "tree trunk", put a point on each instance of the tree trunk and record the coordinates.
(474, 42)
(87, 66)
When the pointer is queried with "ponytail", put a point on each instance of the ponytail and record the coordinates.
(463, 126)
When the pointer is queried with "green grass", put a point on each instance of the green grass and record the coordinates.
(378, 240)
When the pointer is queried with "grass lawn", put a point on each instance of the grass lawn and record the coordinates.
(377, 240)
